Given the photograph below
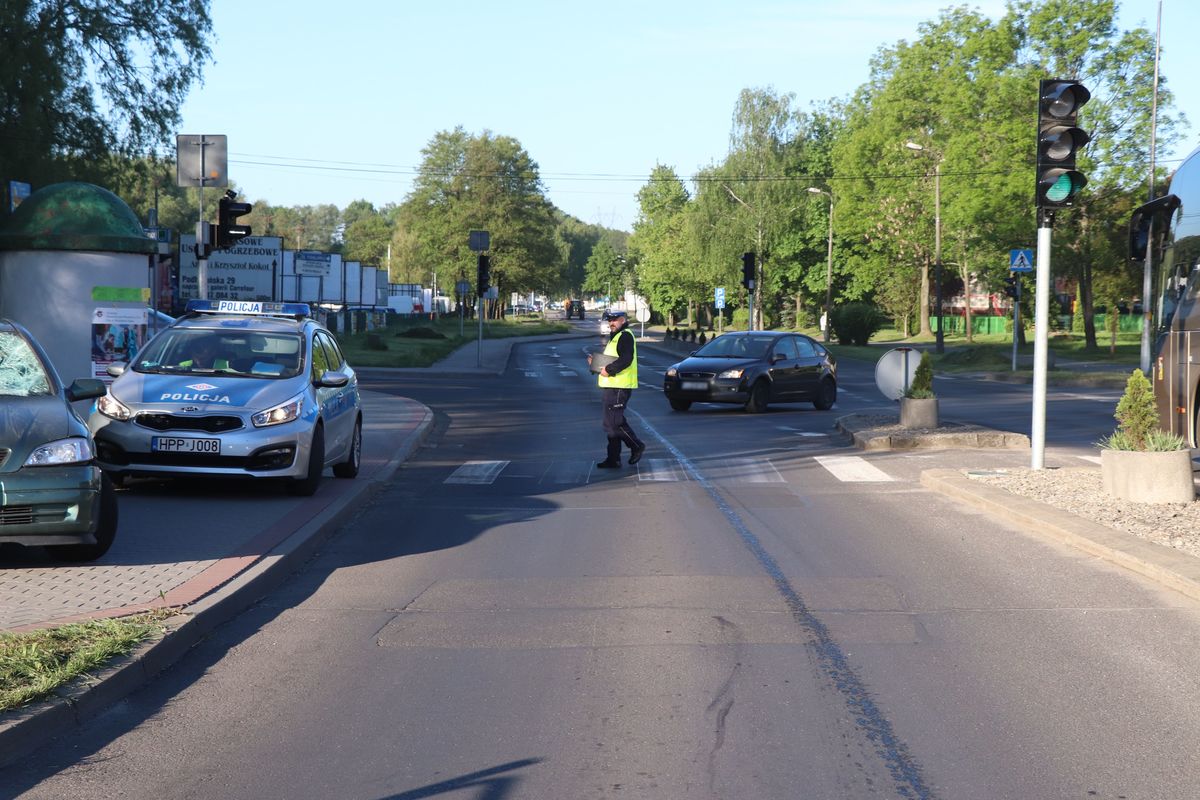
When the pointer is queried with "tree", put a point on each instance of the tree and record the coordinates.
(665, 262)
(83, 82)
(605, 271)
(483, 182)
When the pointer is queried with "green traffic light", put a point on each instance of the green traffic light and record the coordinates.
(1065, 187)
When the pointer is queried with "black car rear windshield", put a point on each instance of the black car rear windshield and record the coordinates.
(737, 347)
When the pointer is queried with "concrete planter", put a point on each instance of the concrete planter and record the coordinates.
(1148, 477)
(918, 412)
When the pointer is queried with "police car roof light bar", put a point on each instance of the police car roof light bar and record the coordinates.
(252, 307)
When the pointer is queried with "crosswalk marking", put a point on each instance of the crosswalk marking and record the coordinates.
(567, 373)
(477, 472)
(744, 470)
(660, 469)
(852, 469)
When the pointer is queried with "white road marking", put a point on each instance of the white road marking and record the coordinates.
(531, 374)
(568, 373)
(852, 469)
(1093, 459)
(477, 472)
(660, 469)
(744, 470)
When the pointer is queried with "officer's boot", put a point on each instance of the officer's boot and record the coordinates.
(636, 446)
(614, 455)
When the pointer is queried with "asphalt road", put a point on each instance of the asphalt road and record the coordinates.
(757, 611)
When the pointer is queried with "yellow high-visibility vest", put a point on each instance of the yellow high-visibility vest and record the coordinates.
(626, 378)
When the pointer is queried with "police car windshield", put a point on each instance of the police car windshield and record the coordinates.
(226, 351)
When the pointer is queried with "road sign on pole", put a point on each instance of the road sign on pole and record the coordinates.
(720, 297)
(1020, 260)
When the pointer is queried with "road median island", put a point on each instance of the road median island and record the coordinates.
(1166, 566)
(881, 430)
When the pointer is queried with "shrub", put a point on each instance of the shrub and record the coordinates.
(701, 338)
(1137, 419)
(421, 333)
(856, 323)
(921, 387)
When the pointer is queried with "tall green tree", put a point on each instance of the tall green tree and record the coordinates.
(87, 82)
(483, 182)
(660, 243)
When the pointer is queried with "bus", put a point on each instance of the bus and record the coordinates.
(1169, 227)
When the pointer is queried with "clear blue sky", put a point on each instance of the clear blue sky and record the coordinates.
(333, 102)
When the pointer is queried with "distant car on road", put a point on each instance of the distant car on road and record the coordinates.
(754, 368)
(234, 389)
(54, 494)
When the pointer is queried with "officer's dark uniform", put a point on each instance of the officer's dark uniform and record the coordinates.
(616, 388)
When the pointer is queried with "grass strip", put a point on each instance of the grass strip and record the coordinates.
(396, 346)
(35, 663)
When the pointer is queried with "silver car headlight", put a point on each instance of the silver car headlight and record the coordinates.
(60, 453)
(731, 373)
(113, 408)
(284, 412)
(672, 372)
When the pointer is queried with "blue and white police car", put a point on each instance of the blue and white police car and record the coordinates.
(234, 389)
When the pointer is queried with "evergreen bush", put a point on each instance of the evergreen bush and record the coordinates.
(921, 387)
(1137, 421)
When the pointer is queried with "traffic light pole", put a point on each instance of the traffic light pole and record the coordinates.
(1016, 319)
(1041, 341)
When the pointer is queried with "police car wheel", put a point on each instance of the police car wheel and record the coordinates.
(106, 529)
(307, 486)
(349, 467)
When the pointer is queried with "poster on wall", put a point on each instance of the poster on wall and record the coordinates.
(117, 335)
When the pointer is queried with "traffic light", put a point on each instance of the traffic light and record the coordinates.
(228, 229)
(482, 276)
(1059, 140)
(1010, 286)
(748, 270)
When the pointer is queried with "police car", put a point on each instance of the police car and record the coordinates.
(234, 388)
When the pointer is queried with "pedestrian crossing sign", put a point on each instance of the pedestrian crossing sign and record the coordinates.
(1020, 260)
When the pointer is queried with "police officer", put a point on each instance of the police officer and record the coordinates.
(617, 381)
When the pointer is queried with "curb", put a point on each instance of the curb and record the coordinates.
(881, 431)
(25, 730)
(1163, 565)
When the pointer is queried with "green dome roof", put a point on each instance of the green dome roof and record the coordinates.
(74, 216)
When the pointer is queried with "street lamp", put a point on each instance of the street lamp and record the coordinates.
(828, 265)
(937, 240)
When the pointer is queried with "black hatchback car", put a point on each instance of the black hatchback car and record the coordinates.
(754, 368)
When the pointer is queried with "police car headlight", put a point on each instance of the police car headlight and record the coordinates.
(731, 373)
(64, 451)
(113, 408)
(285, 412)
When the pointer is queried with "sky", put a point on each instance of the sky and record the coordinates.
(333, 102)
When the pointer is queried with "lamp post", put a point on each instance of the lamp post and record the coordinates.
(937, 241)
(828, 265)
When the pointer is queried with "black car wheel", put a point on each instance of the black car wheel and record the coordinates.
(760, 394)
(106, 529)
(826, 395)
(349, 467)
(307, 486)
(680, 405)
